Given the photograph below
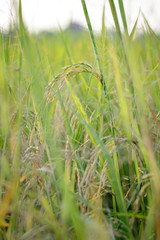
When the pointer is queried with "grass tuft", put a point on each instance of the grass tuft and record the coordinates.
(79, 147)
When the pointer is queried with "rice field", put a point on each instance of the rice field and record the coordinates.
(80, 132)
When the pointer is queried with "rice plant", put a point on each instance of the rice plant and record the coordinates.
(79, 141)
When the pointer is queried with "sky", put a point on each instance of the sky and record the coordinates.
(42, 15)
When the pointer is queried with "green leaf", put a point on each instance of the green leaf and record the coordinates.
(123, 15)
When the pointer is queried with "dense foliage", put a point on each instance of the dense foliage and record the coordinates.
(79, 133)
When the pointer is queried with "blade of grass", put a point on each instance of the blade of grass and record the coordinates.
(134, 28)
(123, 16)
(115, 18)
(152, 33)
(103, 31)
(93, 43)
